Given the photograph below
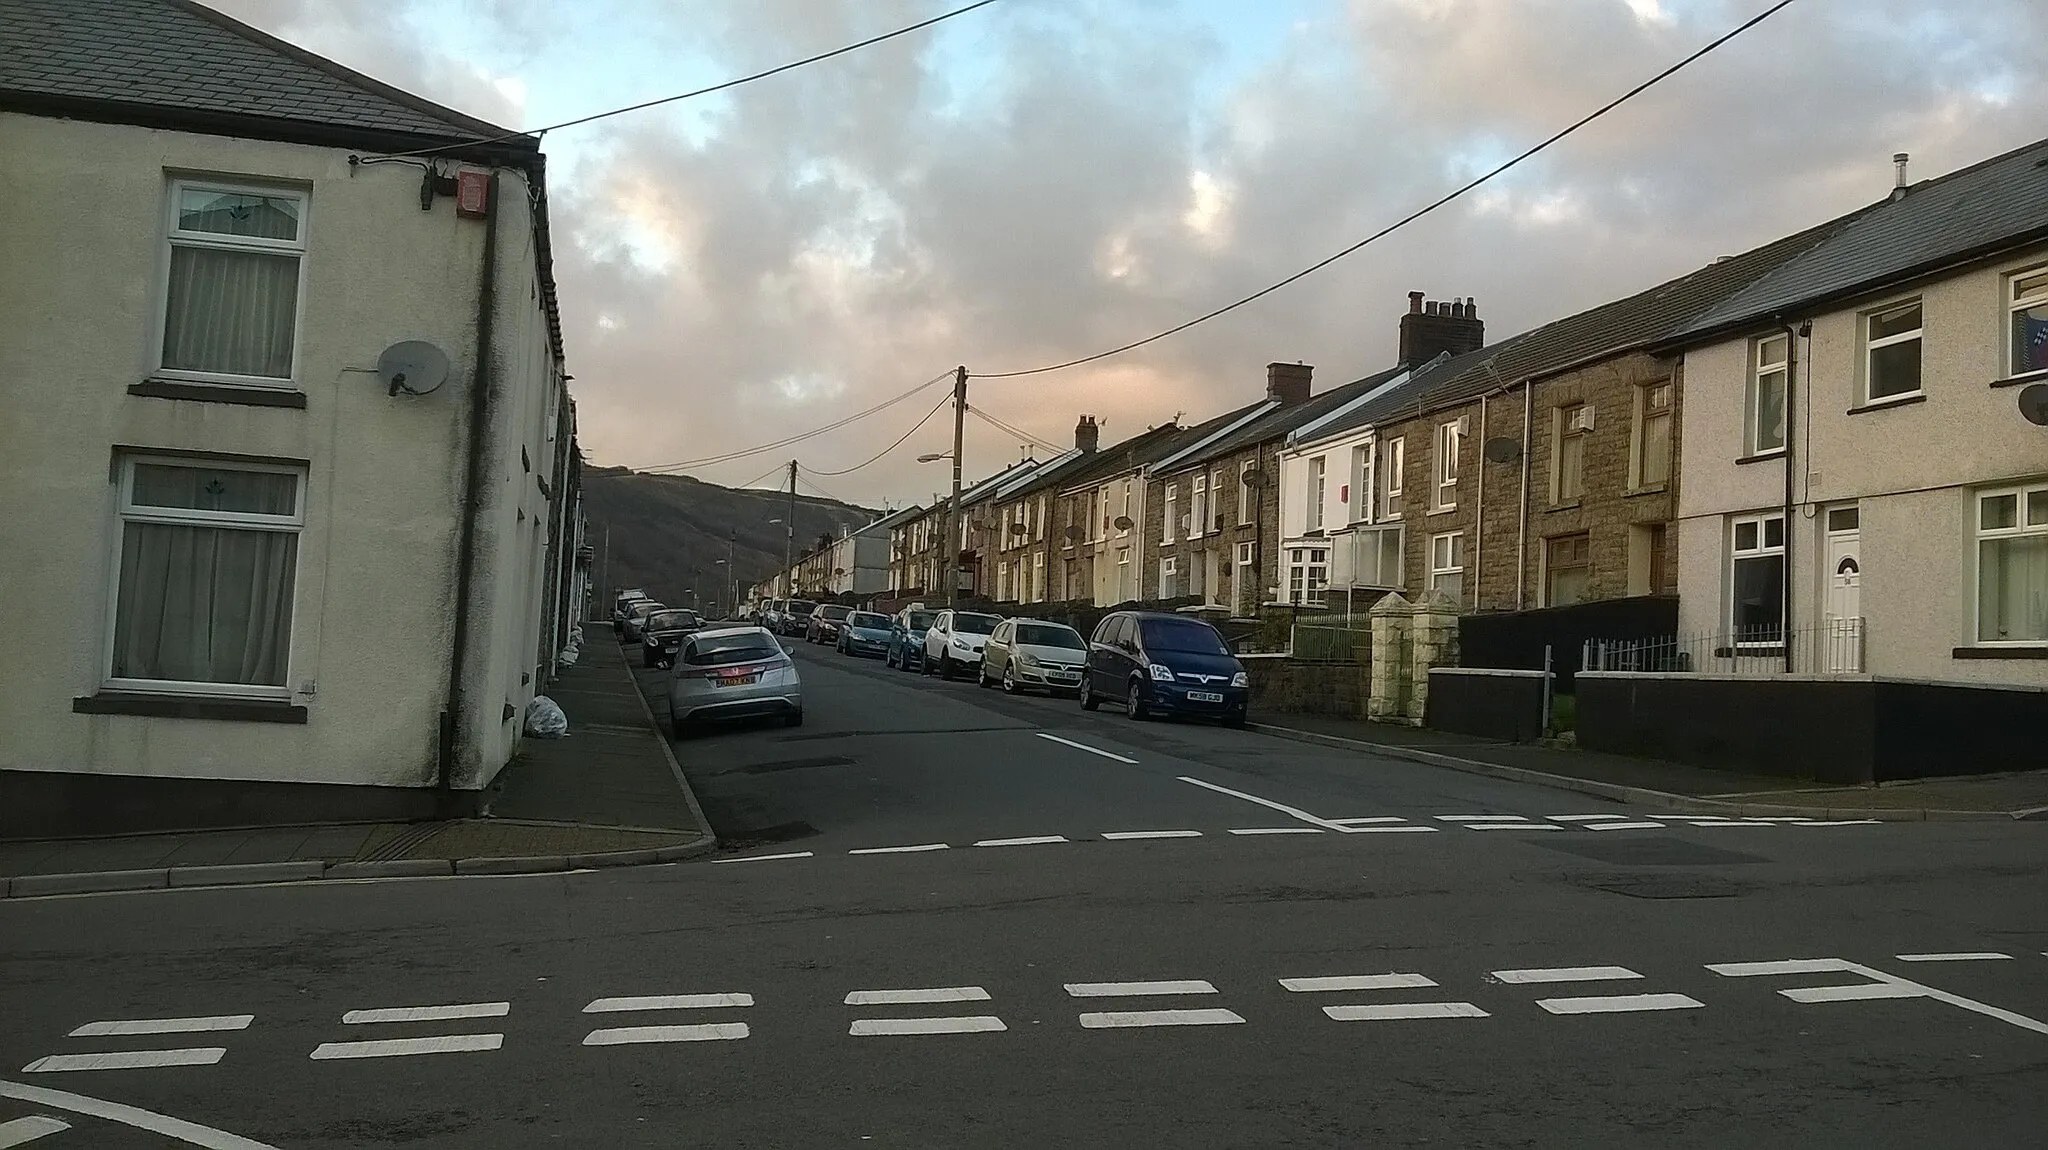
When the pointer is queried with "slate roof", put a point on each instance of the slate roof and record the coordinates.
(1277, 423)
(1982, 208)
(1072, 468)
(147, 56)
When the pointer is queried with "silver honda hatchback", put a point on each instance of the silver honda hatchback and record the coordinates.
(733, 673)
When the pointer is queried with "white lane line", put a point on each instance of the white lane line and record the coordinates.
(934, 994)
(1565, 974)
(1482, 818)
(1276, 830)
(1779, 818)
(1114, 1018)
(1730, 823)
(1586, 818)
(1896, 987)
(126, 1060)
(164, 1025)
(974, 1024)
(1394, 1011)
(1084, 747)
(696, 1032)
(1269, 804)
(1356, 982)
(29, 1129)
(1511, 827)
(669, 1002)
(1403, 829)
(205, 1137)
(1031, 841)
(1369, 819)
(1624, 826)
(1118, 836)
(898, 850)
(1126, 989)
(1837, 823)
(766, 858)
(1955, 956)
(1619, 1003)
(1856, 992)
(400, 1047)
(428, 1013)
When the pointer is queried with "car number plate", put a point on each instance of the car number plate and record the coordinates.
(1204, 697)
(735, 680)
(1066, 674)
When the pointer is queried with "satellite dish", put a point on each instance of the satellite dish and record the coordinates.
(1501, 449)
(1253, 478)
(1073, 532)
(2034, 403)
(1018, 529)
(1123, 523)
(414, 367)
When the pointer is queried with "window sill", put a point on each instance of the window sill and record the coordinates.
(219, 393)
(189, 707)
(1649, 489)
(1568, 505)
(2018, 380)
(1443, 510)
(1884, 404)
(1762, 457)
(2040, 652)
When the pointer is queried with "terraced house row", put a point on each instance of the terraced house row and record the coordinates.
(1753, 438)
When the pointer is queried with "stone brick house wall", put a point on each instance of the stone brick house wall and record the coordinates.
(1215, 550)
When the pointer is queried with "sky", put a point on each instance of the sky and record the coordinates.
(1043, 179)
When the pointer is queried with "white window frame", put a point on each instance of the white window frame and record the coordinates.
(1450, 437)
(1215, 510)
(1198, 506)
(1358, 509)
(1304, 561)
(1764, 549)
(1396, 467)
(1170, 505)
(1318, 488)
(1126, 513)
(1038, 576)
(1563, 429)
(2016, 302)
(173, 237)
(1247, 497)
(1640, 453)
(1441, 565)
(1872, 346)
(1169, 568)
(127, 511)
(1754, 416)
(1370, 539)
(2022, 528)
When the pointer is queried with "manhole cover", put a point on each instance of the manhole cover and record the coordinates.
(1652, 851)
(796, 764)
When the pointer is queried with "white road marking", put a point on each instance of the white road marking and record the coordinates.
(1902, 988)
(1404, 829)
(428, 1013)
(133, 1116)
(898, 850)
(1084, 747)
(1482, 818)
(1732, 823)
(935, 994)
(1586, 818)
(1114, 1018)
(974, 1024)
(1956, 956)
(1566, 974)
(29, 1129)
(1276, 830)
(1031, 841)
(1619, 1003)
(400, 1047)
(696, 1032)
(1118, 836)
(1624, 826)
(164, 1025)
(1394, 1011)
(1780, 818)
(1369, 819)
(669, 1002)
(766, 858)
(126, 1060)
(1356, 982)
(1269, 804)
(1837, 823)
(1511, 827)
(1126, 989)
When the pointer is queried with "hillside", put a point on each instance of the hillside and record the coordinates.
(668, 532)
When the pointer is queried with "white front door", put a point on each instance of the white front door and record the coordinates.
(1842, 596)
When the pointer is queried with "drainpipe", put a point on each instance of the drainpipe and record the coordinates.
(1792, 338)
(1479, 512)
(453, 713)
(1522, 526)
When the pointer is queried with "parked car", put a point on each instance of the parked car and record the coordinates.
(906, 638)
(662, 633)
(953, 642)
(733, 673)
(1164, 664)
(826, 623)
(795, 617)
(622, 605)
(770, 615)
(864, 633)
(636, 615)
(1033, 653)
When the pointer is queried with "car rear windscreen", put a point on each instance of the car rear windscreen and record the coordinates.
(663, 620)
(730, 649)
(869, 620)
(834, 611)
(801, 607)
(1043, 635)
(920, 620)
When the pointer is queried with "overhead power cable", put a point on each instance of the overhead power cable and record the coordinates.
(1411, 217)
(720, 87)
(1019, 432)
(726, 457)
(802, 482)
(775, 470)
(876, 457)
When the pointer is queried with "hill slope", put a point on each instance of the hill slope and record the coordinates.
(668, 533)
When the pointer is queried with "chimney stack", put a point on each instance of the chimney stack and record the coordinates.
(1432, 327)
(1087, 435)
(1899, 181)
(1288, 382)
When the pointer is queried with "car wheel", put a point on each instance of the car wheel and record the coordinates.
(677, 726)
(981, 676)
(1009, 681)
(946, 667)
(647, 659)
(1135, 705)
(794, 719)
(1087, 697)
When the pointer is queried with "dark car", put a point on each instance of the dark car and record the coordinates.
(637, 614)
(826, 622)
(795, 618)
(1162, 664)
(906, 638)
(663, 632)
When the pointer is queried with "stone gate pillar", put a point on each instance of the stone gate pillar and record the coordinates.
(1389, 675)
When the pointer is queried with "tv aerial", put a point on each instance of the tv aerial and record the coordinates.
(414, 367)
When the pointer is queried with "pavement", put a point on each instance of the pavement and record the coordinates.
(607, 794)
(945, 916)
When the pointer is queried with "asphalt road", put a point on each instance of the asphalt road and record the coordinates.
(1118, 966)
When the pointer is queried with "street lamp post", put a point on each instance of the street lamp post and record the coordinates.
(947, 532)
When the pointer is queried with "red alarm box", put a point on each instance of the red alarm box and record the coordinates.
(472, 194)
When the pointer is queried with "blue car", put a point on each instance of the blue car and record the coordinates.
(865, 633)
(1161, 664)
(906, 638)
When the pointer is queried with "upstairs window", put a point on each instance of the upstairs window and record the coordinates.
(1449, 437)
(1394, 465)
(1770, 374)
(1316, 483)
(1653, 435)
(2027, 319)
(1359, 505)
(1891, 342)
(1568, 474)
(1198, 507)
(231, 303)
(1172, 510)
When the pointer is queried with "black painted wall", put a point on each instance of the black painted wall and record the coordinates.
(1490, 706)
(1515, 639)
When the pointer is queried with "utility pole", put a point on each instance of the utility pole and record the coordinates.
(954, 537)
(732, 577)
(789, 539)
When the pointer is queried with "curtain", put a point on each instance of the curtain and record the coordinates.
(204, 604)
(231, 312)
(2012, 589)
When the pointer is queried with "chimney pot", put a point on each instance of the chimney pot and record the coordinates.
(1438, 326)
(1415, 303)
(1087, 435)
(1289, 382)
